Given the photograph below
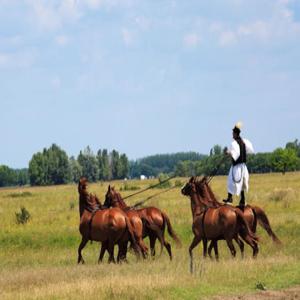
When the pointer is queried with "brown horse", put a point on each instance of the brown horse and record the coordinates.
(213, 223)
(154, 221)
(134, 219)
(109, 226)
(252, 214)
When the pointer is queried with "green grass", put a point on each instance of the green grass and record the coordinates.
(38, 259)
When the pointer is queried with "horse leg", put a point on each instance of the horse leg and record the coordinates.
(122, 252)
(252, 243)
(168, 247)
(213, 245)
(195, 242)
(81, 246)
(104, 247)
(152, 239)
(231, 247)
(241, 245)
(210, 247)
(111, 245)
(204, 248)
(216, 250)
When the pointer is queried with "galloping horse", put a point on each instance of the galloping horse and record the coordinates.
(213, 223)
(109, 226)
(154, 221)
(252, 214)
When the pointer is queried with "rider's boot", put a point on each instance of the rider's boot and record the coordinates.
(229, 199)
(242, 200)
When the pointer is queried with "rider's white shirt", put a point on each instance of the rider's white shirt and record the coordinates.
(238, 178)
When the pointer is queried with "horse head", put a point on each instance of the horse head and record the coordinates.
(109, 196)
(114, 199)
(82, 185)
(189, 188)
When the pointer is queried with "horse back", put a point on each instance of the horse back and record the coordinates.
(221, 221)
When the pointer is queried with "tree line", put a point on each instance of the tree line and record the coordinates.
(53, 166)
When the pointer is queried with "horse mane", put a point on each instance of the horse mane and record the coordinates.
(120, 200)
(206, 192)
(86, 199)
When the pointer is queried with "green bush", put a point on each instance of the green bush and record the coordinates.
(128, 187)
(23, 216)
(20, 195)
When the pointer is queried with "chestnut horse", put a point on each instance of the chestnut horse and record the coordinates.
(109, 226)
(213, 223)
(135, 221)
(252, 214)
(154, 221)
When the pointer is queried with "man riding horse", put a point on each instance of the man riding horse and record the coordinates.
(238, 178)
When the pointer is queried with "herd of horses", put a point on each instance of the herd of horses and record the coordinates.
(115, 223)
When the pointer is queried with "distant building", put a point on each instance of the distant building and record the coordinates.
(143, 177)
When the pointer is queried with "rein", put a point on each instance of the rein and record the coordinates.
(150, 187)
(150, 197)
(216, 170)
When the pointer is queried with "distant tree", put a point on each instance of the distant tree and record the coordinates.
(49, 167)
(116, 167)
(161, 163)
(185, 168)
(75, 169)
(22, 176)
(105, 165)
(294, 145)
(284, 160)
(216, 150)
(260, 163)
(124, 165)
(7, 176)
(89, 164)
(58, 165)
(38, 169)
(100, 164)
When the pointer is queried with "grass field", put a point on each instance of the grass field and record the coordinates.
(38, 259)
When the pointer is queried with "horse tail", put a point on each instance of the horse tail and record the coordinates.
(241, 219)
(170, 229)
(265, 224)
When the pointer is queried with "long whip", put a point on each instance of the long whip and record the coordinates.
(152, 196)
(150, 187)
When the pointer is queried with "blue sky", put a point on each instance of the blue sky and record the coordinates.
(147, 77)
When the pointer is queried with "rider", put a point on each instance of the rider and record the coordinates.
(238, 177)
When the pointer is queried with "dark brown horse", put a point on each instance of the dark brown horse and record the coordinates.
(213, 223)
(252, 214)
(154, 221)
(109, 226)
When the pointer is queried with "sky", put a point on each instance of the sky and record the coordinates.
(147, 77)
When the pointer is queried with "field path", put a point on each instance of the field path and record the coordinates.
(285, 294)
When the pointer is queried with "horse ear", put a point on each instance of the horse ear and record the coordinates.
(109, 188)
(192, 179)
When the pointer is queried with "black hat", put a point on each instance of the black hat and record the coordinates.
(237, 127)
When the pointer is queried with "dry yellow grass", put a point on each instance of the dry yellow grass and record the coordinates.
(38, 260)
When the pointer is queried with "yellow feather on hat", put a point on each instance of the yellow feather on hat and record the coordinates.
(239, 125)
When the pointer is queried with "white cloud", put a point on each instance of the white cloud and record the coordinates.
(22, 59)
(191, 40)
(127, 36)
(4, 59)
(258, 29)
(94, 4)
(142, 22)
(227, 38)
(62, 40)
(51, 15)
(56, 82)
